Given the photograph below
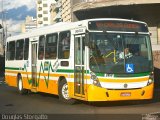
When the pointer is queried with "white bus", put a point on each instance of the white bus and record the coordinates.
(83, 60)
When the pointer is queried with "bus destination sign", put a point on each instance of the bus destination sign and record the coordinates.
(125, 26)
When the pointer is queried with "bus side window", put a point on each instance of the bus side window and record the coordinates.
(64, 45)
(51, 46)
(41, 47)
(11, 50)
(19, 49)
(26, 48)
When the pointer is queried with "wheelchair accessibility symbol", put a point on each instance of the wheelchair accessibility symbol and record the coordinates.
(129, 68)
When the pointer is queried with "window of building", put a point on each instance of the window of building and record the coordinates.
(41, 47)
(39, 15)
(39, 1)
(45, 5)
(40, 8)
(26, 48)
(64, 45)
(19, 49)
(51, 46)
(45, 12)
(45, 18)
(40, 22)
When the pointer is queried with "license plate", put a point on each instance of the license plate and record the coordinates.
(125, 94)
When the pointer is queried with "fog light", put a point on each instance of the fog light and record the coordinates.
(150, 81)
(95, 79)
(151, 78)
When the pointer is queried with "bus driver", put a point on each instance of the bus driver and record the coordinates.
(125, 54)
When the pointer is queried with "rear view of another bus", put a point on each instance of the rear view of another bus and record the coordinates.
(120, 60)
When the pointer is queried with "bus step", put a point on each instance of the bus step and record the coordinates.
(34, 90)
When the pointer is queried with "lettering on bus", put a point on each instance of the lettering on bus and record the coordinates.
(79, 31)
(126, 26)
(109, 75)
(117, 25)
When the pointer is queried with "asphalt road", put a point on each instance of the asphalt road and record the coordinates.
(11, 102)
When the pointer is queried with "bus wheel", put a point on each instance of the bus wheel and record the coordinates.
(20, 87)
(64, 94)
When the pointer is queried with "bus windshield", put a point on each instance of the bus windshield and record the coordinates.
(122, 53)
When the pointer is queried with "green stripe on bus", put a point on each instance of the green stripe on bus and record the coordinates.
(58, 70)
(125, 75)
(69, 71)
(13, 68)
(132, 75)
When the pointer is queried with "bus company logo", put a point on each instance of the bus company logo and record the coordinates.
(125, 85)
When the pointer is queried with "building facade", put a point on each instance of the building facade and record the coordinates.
(43, 12)
(63, 10)
(30, 23)
(143, 10)
(53, 13)
(67, 10)
(56, 11)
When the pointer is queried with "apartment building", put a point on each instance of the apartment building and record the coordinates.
(56, 11)
(66, 10)
(63, 11)
(29, 24)
(43, 12)
(53, 13)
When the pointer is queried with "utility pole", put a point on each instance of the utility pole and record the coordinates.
(2, 30)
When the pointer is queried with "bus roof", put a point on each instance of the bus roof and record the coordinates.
(63, 26)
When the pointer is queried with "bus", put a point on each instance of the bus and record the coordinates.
(85, 60)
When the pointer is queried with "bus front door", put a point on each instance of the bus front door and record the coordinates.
(79, 71)
(34, 65)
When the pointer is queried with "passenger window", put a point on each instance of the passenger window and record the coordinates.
(11, 53)
(19, 49)
(26, 48)
(51, 46)
(41, 47)
(64, 45)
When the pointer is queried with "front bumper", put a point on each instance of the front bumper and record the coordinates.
(101, 94)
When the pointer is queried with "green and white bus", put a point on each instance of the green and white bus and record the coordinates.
(81, 60)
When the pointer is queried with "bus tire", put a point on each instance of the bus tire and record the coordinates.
(21, 90)
(63, 93)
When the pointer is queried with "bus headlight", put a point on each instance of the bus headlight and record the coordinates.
(95, 80)
(151, 79)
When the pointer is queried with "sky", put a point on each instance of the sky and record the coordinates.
(15, 13)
